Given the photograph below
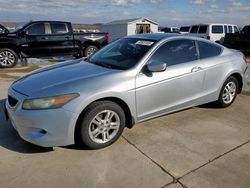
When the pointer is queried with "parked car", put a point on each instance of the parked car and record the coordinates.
(170, 30)
(213, 32)
(131, 80)
(240, 40)
(184, 29)
(47, 38)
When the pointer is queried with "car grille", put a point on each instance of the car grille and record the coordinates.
(12, 101)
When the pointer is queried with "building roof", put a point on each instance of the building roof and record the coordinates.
(118, 22)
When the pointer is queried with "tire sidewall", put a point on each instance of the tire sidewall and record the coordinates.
(14, 54)
(91, 112)
(221, 102)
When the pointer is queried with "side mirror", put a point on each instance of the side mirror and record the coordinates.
(157, 66)
(23, 33)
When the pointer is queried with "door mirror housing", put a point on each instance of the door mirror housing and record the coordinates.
(23, 33)
(156, 66)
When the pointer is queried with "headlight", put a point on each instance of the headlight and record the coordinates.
(48, 102)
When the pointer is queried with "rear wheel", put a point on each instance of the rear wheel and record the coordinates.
(102, 124)
(228, 92)
(8, 58)
(90, 50)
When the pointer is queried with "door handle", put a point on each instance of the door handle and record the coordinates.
(45, 38)
(196, 69)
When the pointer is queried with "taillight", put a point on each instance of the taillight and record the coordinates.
(107, 38)
(208, 37)
(245, 59)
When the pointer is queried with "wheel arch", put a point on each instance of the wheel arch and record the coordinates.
(11, 47)
(239, 79)
(129, 118)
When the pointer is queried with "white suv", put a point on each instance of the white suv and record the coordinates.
(213, 32)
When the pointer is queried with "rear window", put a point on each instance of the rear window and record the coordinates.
(58, 28)
(194, 29)
(207, 50)
(217, 29)
(236, 30)
(184, 29)
(203, 29)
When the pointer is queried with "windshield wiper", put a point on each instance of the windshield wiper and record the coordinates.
(101, 64)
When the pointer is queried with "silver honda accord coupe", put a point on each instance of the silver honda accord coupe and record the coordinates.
(131, 80)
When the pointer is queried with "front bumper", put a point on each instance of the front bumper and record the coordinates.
(47, 128)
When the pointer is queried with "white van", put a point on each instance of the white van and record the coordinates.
(213, 32)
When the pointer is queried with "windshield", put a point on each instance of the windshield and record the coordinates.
(18, 27)
(122, 54)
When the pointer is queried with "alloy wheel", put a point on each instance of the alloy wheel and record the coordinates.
(104, 126)
(7, 58)
(229, 92)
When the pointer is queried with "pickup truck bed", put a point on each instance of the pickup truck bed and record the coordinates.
(239, 41)
(47, 38)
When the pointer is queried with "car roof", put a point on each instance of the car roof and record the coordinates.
(153, 36)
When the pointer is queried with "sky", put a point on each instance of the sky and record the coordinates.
(164, 12)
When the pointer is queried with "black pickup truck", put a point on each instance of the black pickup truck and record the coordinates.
(239, 41)
(46, 38)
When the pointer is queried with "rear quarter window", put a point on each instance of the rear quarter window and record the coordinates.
(207, 50)
(203, 29)
(194, 29)
(217, 29)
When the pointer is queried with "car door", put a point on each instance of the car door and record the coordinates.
(177, 87)
(35, 41)
(61, 40)
(215, 68)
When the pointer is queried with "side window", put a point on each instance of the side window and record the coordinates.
(207, 50)
(217, 29)
(225, 29)
(58, 28)
(203, 29)
(36, 29)
(176, 52)
(236, 30)
(194, 29)
(230, 29)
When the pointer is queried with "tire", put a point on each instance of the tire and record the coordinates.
(90, 50)
(228, 92)
(8, 58)
(96, 130)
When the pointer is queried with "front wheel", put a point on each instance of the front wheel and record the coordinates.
(102, 124)
(228, 92)
(8, 58)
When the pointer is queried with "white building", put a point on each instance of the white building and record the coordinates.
(120, 28)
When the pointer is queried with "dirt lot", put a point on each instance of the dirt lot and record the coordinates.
(199, 147)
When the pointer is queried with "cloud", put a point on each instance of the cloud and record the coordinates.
(125, 2)
(239, 6)
(198, 2)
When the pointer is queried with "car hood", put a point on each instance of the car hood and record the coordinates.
(58, 75)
